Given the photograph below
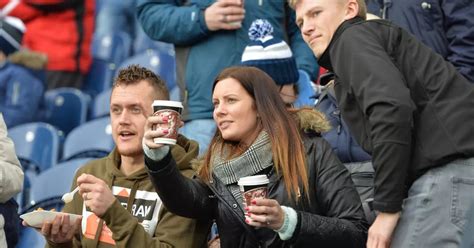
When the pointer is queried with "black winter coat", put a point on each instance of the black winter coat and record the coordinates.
(404, 104)
(332, 217)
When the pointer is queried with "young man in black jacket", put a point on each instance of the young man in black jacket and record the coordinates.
(410, 109)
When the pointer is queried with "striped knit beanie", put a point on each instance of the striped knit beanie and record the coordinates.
(270, 54)
(11, 34)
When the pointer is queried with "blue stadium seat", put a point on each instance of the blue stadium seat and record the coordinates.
(108, 51)
(54, 182)
(30, 238)
(101, 105)
(161, 62)
(114, 47)
(37, 145)
(99, 4)
(142, 43)
(66, 108)
(91, 139)
(100, 77)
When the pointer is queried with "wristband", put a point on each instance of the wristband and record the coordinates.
(289, 223)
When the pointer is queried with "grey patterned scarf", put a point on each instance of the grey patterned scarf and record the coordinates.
(255, 159)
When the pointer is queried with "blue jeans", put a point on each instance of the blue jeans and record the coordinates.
(200, 130)
(468, 239)
(435, 212)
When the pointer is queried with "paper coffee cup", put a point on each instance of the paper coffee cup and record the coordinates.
(253, 187)
(238, 23)
(172, 110)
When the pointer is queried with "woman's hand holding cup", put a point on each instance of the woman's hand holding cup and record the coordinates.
(264, 212)
(162, 127)
(259, 210)
(151, 133)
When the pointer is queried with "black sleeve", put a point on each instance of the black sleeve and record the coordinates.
(180, 195)
(361, 62)
(55, 5)
(342, 221)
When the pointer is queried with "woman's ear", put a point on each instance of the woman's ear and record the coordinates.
(352, 9)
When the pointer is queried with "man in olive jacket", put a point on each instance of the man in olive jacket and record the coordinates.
(116, 199)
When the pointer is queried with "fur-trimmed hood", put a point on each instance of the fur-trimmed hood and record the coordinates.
(30, 59)
(311, 120)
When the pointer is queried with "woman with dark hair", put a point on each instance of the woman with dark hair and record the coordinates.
(311, 198)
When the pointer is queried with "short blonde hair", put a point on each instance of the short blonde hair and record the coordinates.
(362, 6)
(134, 74)
(292, 3)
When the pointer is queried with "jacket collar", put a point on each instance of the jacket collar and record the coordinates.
(325, 59)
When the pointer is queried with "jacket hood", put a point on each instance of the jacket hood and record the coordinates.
(311, 120)
(184, 152)
(29, 59)
(113, 162)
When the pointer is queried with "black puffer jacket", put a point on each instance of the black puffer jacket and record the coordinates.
(332, 217)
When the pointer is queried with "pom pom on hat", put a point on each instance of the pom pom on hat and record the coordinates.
(260, 29)
(11, 34)
(270, 54)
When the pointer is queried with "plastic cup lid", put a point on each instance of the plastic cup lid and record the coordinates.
(254, 180)
(167, 103)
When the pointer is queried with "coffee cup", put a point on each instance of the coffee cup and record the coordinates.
(253, 187)
(238, 23)
(172, 110)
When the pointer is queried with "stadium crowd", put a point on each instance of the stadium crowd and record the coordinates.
(356, 111)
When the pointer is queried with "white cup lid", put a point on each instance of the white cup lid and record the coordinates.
(167, 103)
(253, 180)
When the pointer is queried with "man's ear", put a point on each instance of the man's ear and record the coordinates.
(352, 9)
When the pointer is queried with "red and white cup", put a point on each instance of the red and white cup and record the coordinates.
(172, 110)
(253, 187)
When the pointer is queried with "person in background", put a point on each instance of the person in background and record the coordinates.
(11, 183)
(444, 26)
(210, 36)
(21, 91)
(311, 198)
(117, 200)
(274, 57)
(61, 29)
(407, 107)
